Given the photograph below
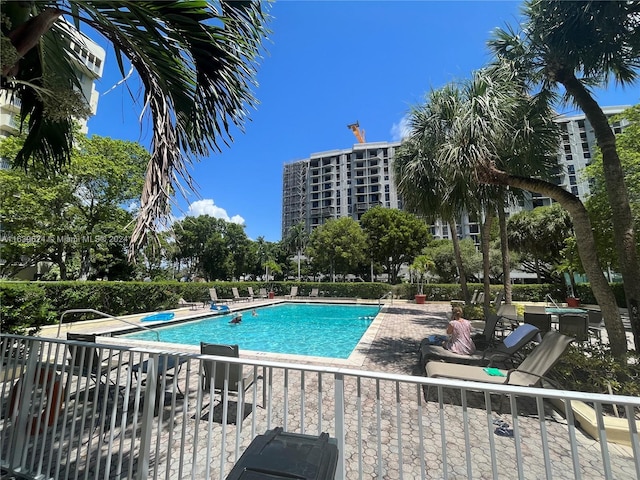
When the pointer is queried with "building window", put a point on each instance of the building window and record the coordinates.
(587, 154)
(571, 169)
(574, 190)
(572, 180)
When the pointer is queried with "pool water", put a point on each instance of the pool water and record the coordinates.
(320, 330)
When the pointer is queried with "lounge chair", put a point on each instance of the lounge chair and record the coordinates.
(237, 297)
(293, 293)
(535, 309)
(192, 305)
(507, 317)
(263, 293)
(224, 378)
(497, 301)
(487, 338)
(503, 352)
(214, 297)
(315, 292)
(528, 374)
(251, 294)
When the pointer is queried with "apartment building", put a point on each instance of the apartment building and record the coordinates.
(341, 183)
(338, 183)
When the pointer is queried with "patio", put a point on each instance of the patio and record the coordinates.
(372, 404)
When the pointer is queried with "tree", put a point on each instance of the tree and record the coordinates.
(394, 237)
(444, 258)
(296, 241)
(628, 145)
(195, 59)
(579, 45)
(338, 246)
(539, 236)
(504, 137)
(78, 213)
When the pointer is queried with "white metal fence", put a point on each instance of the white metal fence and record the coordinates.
(152, 416)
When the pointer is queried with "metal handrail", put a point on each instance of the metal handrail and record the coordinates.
(550, 298)
(383, 297)
(105, 315)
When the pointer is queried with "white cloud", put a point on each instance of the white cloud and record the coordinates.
(207, 207)
(400, 130)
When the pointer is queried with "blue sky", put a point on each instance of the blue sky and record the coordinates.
(328, 64)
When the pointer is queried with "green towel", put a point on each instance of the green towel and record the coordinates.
(494, 372)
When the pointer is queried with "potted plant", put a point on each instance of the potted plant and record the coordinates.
(420, 266)
(270, 266)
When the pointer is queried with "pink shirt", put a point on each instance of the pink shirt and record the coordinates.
(460, 341)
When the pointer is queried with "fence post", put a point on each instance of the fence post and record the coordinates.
(147, 415)
(339, 416)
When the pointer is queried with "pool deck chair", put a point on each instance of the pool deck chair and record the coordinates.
(251, 293)
(237, 297)
(214, 297)
(596, 324)
(576, 326)
(263, 293)
(86, 361)
(192, 305)
(528, 374)
(499, 354)
(540, 320)
(220, 379)
(315, 292)
(293, 293)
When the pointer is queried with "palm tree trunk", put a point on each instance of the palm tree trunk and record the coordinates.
(586, 248)
(623, 228)
(458, 255)
(504, 249)
(485, 239)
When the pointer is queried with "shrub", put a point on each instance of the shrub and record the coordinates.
(596, 371)
(24, 308)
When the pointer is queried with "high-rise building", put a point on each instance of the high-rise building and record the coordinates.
(340, 183)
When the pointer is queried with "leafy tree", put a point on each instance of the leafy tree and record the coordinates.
(195, 59)
(211, 247)
(394, 237)
(539, 236)
(78, 213)
(442, 254)
(338, 246)
(628, 144)
(579, 45)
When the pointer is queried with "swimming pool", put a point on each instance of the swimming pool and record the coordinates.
(320, 330)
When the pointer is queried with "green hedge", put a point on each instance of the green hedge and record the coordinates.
(26, 306)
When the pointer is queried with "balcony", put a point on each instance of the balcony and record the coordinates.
(159, 422)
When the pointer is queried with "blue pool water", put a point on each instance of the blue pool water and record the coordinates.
(319, 330)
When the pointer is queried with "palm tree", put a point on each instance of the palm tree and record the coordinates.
(502, 137)
(296, 241)
(196, 60)
(424, 190)
(579, 45)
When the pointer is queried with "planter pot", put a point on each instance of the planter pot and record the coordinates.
(272, 295)
(420, 298)
(573, 302)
